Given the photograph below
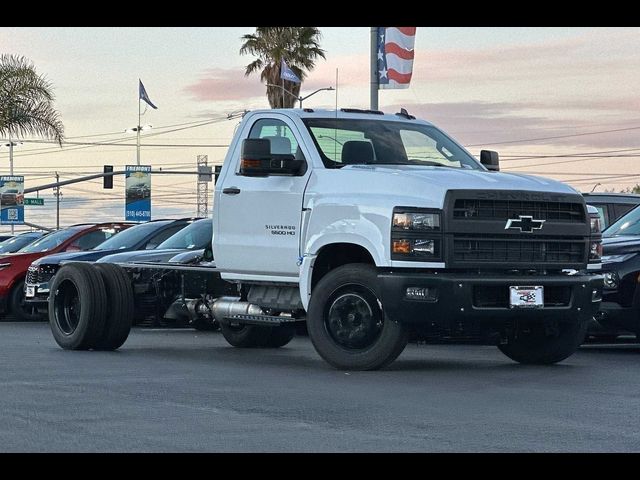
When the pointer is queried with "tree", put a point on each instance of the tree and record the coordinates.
(298, 46)
(26, 101)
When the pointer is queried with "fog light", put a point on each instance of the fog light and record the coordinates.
(611, 280)
(596, 295)
(422, 293)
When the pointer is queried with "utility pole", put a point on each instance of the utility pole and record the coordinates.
(11, 171)
(202, 189)
(138, 133)
(57, 193)
(374, 69)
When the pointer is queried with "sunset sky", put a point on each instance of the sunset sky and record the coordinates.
(570, 93)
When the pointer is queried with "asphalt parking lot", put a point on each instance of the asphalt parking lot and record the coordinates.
(183, 390)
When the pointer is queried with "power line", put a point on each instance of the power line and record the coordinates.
(553, 137)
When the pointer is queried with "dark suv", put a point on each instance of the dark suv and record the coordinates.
(620, 309)
(612, 206)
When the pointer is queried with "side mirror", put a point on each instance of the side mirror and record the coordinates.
(256, 160)
(490, 159)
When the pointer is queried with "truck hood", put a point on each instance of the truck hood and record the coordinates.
(445, 178)
(620, 245)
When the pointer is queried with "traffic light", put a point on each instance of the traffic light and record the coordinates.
(107, 180)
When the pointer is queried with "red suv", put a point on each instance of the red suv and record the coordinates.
(13, 266)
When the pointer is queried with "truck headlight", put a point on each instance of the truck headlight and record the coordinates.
(416, 234)
(416, 221)
(595, 224)
(595, 251)
(414, 246)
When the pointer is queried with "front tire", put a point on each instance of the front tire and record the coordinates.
(533, 345)
(346, 323)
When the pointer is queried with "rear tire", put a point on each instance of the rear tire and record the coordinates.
(281, 335)
(533, 347)
(77, 306)
(23, 311)
(119, 314)
(346, 323)
(246, 336)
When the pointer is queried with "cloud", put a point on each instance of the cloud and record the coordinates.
(222, 84)
(492, 123)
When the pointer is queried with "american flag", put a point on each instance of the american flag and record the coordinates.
(395, 56)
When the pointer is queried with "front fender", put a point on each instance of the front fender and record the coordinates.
(311, 254)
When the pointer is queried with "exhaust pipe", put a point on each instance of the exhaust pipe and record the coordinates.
(221, 308)
(225, 307)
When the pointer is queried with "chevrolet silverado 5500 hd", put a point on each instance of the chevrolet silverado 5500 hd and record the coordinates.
(370, 228)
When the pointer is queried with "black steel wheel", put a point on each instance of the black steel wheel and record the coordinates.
(77, 306)
(347, 324)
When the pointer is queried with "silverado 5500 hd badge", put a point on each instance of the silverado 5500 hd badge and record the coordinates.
(281, 229)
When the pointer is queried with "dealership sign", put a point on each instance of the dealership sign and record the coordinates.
(11, 199)
(137, 193)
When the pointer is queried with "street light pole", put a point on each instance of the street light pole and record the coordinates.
(138, 134)
(319, 90)
(10, 156)
(300, 99)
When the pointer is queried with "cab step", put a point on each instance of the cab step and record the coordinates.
(269, 320)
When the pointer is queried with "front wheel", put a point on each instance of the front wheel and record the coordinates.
(537, 345)
(347, 324)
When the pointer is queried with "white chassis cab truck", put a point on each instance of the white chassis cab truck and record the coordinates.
(373, 229)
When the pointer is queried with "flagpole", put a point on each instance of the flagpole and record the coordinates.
(138, 129)
(374, 69)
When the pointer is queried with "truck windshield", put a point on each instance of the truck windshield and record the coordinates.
(629, 224)
(375, 142)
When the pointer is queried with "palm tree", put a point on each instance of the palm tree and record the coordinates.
(298, 46)
(26, 101)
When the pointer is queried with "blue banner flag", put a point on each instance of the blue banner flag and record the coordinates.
(137, 193)
(144, 96)
(11, 200)
(287, 74)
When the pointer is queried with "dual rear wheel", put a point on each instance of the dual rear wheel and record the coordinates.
(91, 306)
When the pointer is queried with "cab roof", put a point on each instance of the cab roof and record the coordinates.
(342, 113)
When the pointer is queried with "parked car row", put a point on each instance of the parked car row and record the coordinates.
(26, 272)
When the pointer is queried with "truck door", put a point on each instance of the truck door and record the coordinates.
(258, 218)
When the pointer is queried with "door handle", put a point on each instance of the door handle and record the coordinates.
(231, 191)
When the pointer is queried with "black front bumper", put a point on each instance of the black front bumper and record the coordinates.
(482, 301)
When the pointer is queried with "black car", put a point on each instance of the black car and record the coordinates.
(13, 244)
(195, 237)
(612, 206)
(145, 236)
(620, 309)
(140, 190)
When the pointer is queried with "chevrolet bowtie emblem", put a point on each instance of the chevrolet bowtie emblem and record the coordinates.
(524, 223)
